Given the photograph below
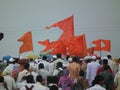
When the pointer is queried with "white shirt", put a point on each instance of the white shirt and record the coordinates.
(10, 82)
(96, 87)
(38, 86)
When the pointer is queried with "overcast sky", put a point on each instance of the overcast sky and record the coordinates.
(97, 19)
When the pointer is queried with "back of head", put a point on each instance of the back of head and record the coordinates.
(105, 61)
(39, 78)
(26, 65)
(97, 79)
(81, 73)
(29, 79)
(41, 66)
(59, 64)
(75, 59)
(59, 55)
(44, 57)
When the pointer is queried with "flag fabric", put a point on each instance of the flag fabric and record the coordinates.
(45, 43)
(107, 45)
(90, 50)
(97, 44)
(99, 47)
(27, 43)
(58, 47)
(77, 46)
(67, 25)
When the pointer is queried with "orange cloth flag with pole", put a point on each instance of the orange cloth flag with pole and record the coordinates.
(27, 43)
(77, 46)
(67, 25)
(58, 47)
(107, 44)
(99, 46)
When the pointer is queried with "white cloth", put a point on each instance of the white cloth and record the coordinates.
(10, 82)
(96, 87)
(45, 63)
(2, 86)
(21, 74)
(28, 84)
(8, 69)
(112, 65)
(38, 86)
(92, 68)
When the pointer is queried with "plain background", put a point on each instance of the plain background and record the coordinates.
(97, 19)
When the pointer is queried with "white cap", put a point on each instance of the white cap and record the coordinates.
(102, 58)
(11, 60)
(70, 59)
(93, 57)
(87, 57)
(54, 56)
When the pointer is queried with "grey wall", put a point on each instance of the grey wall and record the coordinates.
(97, 19)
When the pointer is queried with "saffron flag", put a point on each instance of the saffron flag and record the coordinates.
(67, 25)
(77, 46)
(27, 43)
(45, 43)
(99, 46)
(90, 50)
(58, 47)
(107, 45)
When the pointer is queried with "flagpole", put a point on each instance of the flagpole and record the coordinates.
(100, 50)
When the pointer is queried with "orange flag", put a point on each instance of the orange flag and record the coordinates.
(67, 25)
(58, 47)
(27, 43)
(90, 50)
(45, 43)
(107, 45)
(97, 44)
(77, 46)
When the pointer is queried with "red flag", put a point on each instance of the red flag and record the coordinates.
(58, 47)
(97, 44)
(67, 26)
(77, 46)
(27, 43)
(107, 45)
(45, 43)
(90, 50)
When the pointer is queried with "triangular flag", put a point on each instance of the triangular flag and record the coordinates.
(45, 43)
(27, 43)
(67, 25)
(107, 45)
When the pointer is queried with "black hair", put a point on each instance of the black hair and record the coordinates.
(29, 79)
(75, 59)
(39, 78)
(41, 65)
(59, 55)
(97, 79)
(26, 65)
(105, 61)
(1, 79)
(44, 57)
(81, 73)
(59, 64)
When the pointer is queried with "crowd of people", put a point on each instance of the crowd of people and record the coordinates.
(60, 73)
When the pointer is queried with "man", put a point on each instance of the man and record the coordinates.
(92, 68)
